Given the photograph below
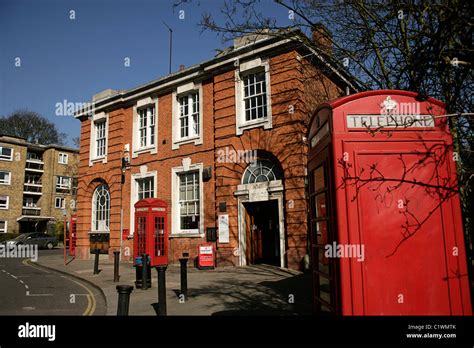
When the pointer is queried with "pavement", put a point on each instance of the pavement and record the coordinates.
(250, 290)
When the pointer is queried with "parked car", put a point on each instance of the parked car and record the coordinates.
(41, 239)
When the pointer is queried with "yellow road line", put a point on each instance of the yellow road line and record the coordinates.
(91, 303)
(27, 262)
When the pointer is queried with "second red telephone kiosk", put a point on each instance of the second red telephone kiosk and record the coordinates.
(72, 236)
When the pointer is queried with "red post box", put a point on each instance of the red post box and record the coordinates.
(72, 235)
(385, 220)
(151, 233)
(206, 256)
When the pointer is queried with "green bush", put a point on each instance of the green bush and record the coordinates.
(7, 236)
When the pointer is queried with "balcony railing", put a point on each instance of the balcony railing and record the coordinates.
(31, 211)
(34, 166)
(32, 188)
(32, 157)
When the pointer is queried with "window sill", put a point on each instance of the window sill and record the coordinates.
(186, 235)
(254, 124)
(150, 149)
(6, 159)
(98, 159)
(102, 159)
(99, 232)
(196, 140)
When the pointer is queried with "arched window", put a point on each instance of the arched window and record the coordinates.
(101, 209)
(262, 170)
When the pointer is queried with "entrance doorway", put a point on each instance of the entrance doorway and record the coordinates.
(262, 232)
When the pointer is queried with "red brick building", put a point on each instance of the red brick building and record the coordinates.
(222, 142)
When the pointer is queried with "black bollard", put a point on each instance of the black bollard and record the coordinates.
(161, 290)
(96, 261)
(144, 272)
(184, 276)
(124, 292)
(116, 265)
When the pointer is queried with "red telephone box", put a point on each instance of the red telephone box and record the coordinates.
(151, 232)
(72, 236)
(385, 220)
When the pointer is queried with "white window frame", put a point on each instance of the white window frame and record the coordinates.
(134, 192)
(63, 158)
(137, 148)
(183, 91)
(63, 202)
(5, 230)
(100, 127)
(251, 67)
(3, 157)
(94, 210)
(98, 118)
(7, 204)
(152, 191)
(7, 182)
(59, 182)
(175, 207)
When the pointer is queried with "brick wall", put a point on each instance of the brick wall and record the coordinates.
(293, 96)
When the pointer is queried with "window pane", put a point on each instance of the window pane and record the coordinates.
(318, 179)
(189, 200)
(320, 204)
(101, 209)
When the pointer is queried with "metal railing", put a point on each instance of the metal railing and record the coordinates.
(31, 212)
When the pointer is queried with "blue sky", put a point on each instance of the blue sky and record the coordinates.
(64, 59)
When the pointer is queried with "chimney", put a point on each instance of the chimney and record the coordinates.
(322, 38)
(181, 67)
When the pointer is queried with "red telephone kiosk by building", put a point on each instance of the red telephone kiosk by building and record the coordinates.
(72, 236)
(151, 235)
(385, 219)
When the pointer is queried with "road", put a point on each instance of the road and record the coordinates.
(28, 289)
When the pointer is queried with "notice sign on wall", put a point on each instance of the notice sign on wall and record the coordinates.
(390, 121)
(224, 228)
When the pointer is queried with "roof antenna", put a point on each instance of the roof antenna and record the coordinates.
(171, 42)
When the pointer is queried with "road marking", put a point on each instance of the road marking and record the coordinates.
(26, 286)
(28, 294)
(91, 303)
(21, 281)
(27, 263)
(28, 308)
(13, 276)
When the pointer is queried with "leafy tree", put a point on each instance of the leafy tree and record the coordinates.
(423, 46)
(31, 126)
